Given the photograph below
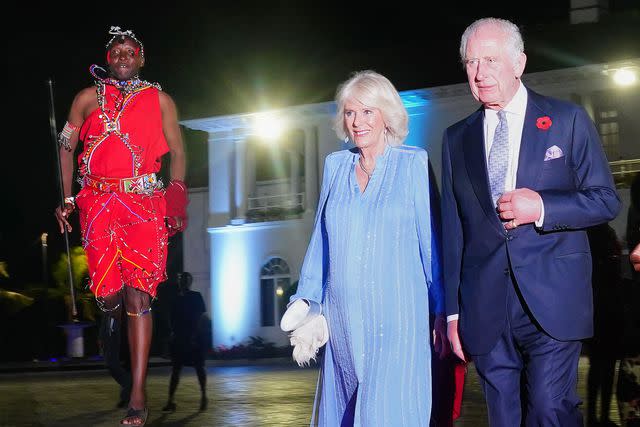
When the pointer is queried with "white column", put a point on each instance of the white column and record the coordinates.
(250, 173)
(311, 177)
(586, 100)
(221, 179)
(294, 160)
(240, 182)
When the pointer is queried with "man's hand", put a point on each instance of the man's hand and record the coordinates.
(634, 257)
(454, 339)
(175, 224)
(62, 215)
(440, 341)
(521, 206)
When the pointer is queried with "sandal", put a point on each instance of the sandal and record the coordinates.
(141, 414)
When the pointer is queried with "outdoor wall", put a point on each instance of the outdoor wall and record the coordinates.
(238, 254)
(196, 244)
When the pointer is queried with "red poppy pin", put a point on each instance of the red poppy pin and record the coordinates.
(544, 123)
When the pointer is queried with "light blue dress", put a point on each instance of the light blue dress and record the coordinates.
(370, 263)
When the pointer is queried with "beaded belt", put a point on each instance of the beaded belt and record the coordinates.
(142, 184)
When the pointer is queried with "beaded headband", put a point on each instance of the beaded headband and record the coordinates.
(117, 32)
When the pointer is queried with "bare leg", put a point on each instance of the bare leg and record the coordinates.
(140, 326)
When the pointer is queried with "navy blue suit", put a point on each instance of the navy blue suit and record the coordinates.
(548, 270)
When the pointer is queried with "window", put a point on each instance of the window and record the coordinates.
(607, 120)
(275, 159)
(609, 133)
(279, 178)
(275, 280)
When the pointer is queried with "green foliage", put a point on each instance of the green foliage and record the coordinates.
(85, 302)
(4, 270)
(13, 302)
(79, 268)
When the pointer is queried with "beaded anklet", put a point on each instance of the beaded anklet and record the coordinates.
(140, 314)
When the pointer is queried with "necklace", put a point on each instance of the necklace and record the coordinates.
(364, 169)
(125, 86)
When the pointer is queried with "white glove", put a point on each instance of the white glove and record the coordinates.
(308, 338)
(309, 329)
(298, 313)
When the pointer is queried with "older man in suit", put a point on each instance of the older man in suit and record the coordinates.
(522, 177)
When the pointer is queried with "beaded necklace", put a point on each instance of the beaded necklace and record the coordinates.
(128, 89)
(126, 86)
(129, 86)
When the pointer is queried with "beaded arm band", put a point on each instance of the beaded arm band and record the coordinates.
(64, 137)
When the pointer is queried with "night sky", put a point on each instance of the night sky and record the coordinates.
(213, 60)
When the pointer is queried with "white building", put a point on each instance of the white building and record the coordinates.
(249, 229)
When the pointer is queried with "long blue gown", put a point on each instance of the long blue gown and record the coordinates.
(370, 264)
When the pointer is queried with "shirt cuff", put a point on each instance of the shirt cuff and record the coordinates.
(540, 220)
(452, 317)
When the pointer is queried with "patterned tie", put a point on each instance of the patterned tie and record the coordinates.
(499, 157)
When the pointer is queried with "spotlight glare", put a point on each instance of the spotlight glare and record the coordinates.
(624, 77)
(269, 127)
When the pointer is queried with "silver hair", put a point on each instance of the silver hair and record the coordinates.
(515, 44)
(376, 91)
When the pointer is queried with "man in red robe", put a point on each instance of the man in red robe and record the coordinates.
(126, 125)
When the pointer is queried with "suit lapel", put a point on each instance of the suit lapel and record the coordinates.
(476, 164)
(534, 142)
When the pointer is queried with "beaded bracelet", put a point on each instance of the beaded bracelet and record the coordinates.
(64, 137)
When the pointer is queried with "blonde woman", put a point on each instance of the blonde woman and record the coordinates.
(371, 267)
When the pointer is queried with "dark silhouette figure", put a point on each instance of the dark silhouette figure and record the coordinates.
(188, 340)
(604, 347)
(113, 335)
(628, 387)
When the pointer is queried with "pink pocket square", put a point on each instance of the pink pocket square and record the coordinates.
(554, 152)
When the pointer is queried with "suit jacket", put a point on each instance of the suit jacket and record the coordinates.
(551, 265)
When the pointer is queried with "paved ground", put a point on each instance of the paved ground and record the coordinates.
(277, 395)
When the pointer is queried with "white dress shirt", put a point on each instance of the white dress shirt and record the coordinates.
(515, 112)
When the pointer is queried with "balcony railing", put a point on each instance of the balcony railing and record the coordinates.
(275, 207)
(622, 167)
(623, 171)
